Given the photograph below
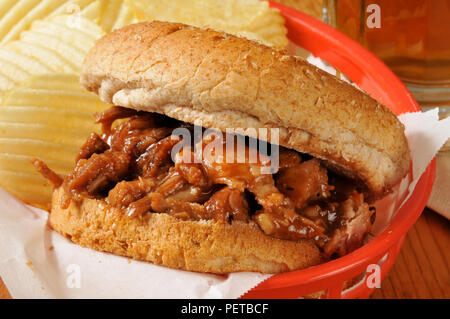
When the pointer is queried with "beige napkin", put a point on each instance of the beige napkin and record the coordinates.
(439, 200)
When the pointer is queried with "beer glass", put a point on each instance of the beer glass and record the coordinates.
(411, 36)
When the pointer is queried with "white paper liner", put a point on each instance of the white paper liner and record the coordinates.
(36, 262)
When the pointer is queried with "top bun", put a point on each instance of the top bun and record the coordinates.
(221, 81)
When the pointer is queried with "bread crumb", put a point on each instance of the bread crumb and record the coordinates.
(51, 248)
(29, 263)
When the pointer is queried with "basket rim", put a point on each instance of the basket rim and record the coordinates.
(304, 30)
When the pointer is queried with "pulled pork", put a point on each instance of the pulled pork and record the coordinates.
(130, 166)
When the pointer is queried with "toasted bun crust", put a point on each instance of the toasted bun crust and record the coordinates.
(221, 81)
(203, 246)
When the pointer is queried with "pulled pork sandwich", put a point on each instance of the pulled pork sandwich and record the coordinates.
(339, 150)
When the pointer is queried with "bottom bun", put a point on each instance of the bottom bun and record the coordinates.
(203, 246)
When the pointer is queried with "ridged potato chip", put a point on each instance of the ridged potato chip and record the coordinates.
(253, 19)
(115, 14)
(108, 14)
(56, 45)
(48, 117)
(74, 7)
(17, 15)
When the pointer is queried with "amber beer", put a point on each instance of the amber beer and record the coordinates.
(411, 36)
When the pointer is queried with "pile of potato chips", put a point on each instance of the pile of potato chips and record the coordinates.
(44, 113)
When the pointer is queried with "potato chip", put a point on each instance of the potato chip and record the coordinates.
(31, 65)
(92, 12)
(56, 45)
(69, 52)
(263, 26)
(40, 37)
(252, 18)
(17, 16)
(5, 82)
(108, 14)
(115, 14)
(12, 73)
(72, 7)
(48, 117)
(78, 23)
(125, 17)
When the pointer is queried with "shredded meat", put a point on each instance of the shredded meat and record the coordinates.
(126, 192)
(194, 174)
(141, 206)
(172, 182)
(126, 136)
(157, 156)
(304, 182)
(288, 158)
(192, 194)
(95, 175)
(131, 166)
(355, 220)
(278, 217)
(93, 145)
(112, 114)
(45, 171)
(227, 204)
(157, 203)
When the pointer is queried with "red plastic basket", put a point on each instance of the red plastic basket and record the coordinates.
(374, 77)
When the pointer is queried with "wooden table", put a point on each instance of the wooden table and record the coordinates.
(421, 269)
